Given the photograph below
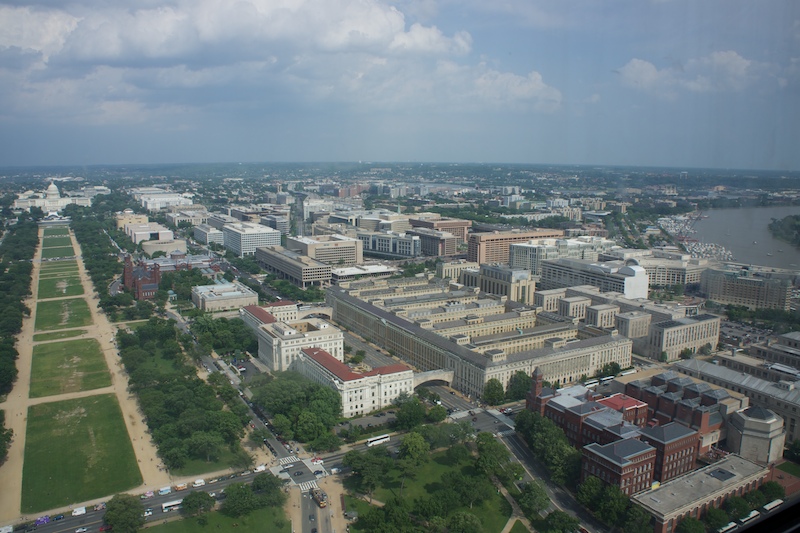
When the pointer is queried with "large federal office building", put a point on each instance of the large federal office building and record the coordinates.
(476, 336)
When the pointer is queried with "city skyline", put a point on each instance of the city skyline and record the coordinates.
(658, 83)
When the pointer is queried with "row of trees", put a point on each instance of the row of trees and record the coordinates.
(518, 387)
(125, 512)
(16, 251)
(776, 319)
(610, 505)
(100, 257)
(550, 446)
(185, 414)
(5, 437)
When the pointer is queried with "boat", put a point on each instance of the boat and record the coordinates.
(780, 251)
(769, 254)
(755, 242)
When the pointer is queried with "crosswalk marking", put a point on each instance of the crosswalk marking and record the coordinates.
(288, 460)
(308, 485)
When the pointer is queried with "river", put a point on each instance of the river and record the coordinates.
(744, 232)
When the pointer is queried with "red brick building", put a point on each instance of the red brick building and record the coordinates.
(674, 397)
(633, 410)
(628, 464)
(676, 449)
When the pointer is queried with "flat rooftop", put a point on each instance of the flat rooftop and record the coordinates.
(685, 491)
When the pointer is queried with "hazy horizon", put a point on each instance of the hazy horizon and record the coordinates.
(635, 83)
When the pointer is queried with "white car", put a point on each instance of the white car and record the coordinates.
(81, 530)
(148, 512)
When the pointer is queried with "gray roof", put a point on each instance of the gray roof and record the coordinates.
(586, 408)
(624, 430)
(604, 419)
(681, 382)
(717, 394)
(474, 358)
(739, 381)
(620, 452)
(674, 396)
(668, 432)
(700, 388)
(759, 412)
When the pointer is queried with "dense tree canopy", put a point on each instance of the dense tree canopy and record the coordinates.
(16, 251)
(301, 409)
(549, 444)
(124, 513)
(186, 415)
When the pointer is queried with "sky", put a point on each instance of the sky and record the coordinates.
(695, 83)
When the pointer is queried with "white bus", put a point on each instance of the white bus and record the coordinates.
(592, 383)
(752, 516)
(727, 529)
(171, 506)
(380, 439)
(771, 506)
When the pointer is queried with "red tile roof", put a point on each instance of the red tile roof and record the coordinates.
(260, 314)
(342, 371)
(331, 364)
(621, 402)
(280, 303)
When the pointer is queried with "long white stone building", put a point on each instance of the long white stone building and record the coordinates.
(361, 393)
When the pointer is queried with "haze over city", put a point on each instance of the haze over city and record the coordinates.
(674, 83)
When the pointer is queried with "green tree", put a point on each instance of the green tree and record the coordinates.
(326, 442)
(715, 519)
(239, 500)
(612, 505)
(755, 498)
(410, 414)
(197, 503)
(436, 414)
(518, 386)
(493, 456)
(493, 393)
(124, 513)
(589, 492)
(206, 446)
(559, 521)
(464, 522)
(773, 491)
(793, 451)
(737, 507)
(637, 520)
(268, 489)
(533, 499)
(690, 525)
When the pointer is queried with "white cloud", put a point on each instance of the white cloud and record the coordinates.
(719, 71)
(31, 29)
(105, 61)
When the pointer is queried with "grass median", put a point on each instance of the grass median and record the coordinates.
(68, 366)
(76, 450)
